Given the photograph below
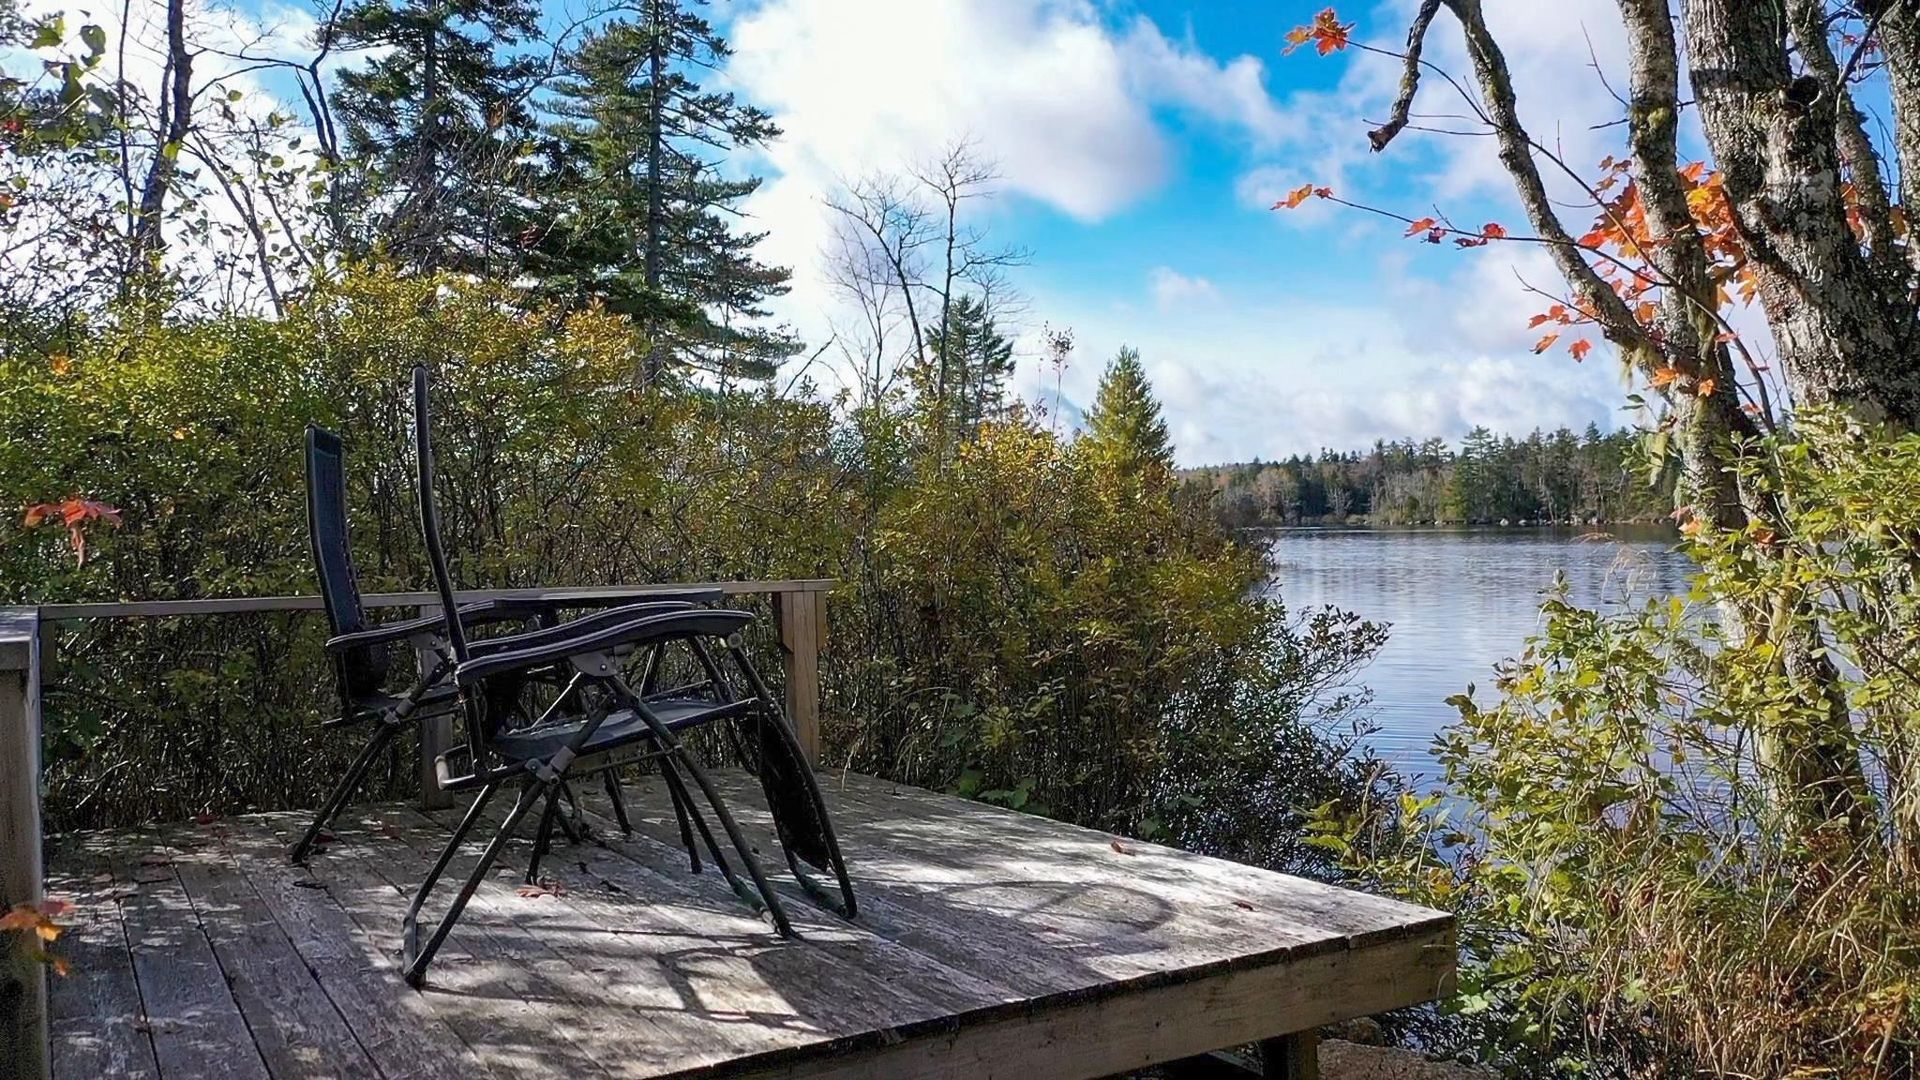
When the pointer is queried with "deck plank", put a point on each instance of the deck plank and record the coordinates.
(296, 1026)
(360, 976)
(99, 1028)
(989, 944)
(197, 1027)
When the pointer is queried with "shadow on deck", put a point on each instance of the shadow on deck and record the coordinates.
(989, 943)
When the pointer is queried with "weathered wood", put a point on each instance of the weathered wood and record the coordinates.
(990, 944)
(801, 619)
(295, 1025)
(1291, 1057)
(197, 1027)
(23, 987)
(235, 605)
(351, 965)
(97, 1024)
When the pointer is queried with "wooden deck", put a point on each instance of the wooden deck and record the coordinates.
(990, 944)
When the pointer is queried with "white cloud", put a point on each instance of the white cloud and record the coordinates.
(1061, 100)
(1173, 290)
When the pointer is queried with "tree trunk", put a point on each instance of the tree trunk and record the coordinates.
(176, 119)
(1841, 327)
(656, 183)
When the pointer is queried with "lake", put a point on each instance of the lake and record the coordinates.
(1458, 601)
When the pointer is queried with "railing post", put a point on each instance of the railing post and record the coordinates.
(436, 738)
(802, 621)
(23, 978)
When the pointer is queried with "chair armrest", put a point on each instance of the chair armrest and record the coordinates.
(572, 628)
(686, 622)
(475, 614)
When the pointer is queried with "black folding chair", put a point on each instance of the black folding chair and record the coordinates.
(599, 722)
(363, 652)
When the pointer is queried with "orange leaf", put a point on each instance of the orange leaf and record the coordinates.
(1705, 387)
(1545, 343)
(1492, 230)
(1580, 348)
(1664, 377)
(1295, 197)
(1538, 319)
(1323, 193)
(1420, 226)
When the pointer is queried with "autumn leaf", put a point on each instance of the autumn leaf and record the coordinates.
(1121, 848)
(1295, 197)
(1326, 31)
(1664, 377)
(1419, 226)
(1545, 343)
(76, 514)
(1323, 193)
(1580, 348)
(1704, 387)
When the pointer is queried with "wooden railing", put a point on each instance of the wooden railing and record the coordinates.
(800, 621)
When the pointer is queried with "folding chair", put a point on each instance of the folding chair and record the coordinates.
(363, 652)
(599, 722)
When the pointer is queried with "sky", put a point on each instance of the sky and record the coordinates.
(1140, 145)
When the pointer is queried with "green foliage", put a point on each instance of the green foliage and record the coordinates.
(1018, 621)
(1125, 431)
(1640, 889)
(434, 124)
(634, 208)
(1548, 476)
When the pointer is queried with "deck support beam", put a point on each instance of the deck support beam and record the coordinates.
(23, 978)
(801, 618)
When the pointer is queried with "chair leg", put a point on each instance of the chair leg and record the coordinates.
(677, 792)
(677, 755)
(417, 956)
(543, 840)
(773, 720)
(571, 824)
(343, 791)
(619, 803)
(684, 801)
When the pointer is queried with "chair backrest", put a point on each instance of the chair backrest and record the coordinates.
(327, 529)
(430, 516)
(361, 670)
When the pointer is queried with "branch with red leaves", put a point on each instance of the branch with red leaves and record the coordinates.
(77, 514)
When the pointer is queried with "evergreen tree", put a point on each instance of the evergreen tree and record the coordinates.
(1124, 428)
(976, 360)
(638, 212)
(435, 125)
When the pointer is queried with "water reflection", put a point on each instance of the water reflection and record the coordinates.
(1459, 601)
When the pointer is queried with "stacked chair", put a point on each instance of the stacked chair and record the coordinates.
(594, 721)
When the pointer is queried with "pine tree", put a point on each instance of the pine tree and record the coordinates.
(637, 211)
(1125, 431)
(977, 360)
(435, 126)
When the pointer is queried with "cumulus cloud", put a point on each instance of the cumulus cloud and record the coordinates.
(1171, 289)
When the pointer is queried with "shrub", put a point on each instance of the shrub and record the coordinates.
(1639, 894)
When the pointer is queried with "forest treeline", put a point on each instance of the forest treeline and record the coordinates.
(1556, 477)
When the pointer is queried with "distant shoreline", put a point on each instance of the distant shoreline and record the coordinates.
(1359, 523)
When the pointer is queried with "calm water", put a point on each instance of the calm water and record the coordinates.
(1457, 602)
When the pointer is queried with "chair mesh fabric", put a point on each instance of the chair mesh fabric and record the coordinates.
(362, 670)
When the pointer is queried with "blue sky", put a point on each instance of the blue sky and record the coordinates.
(1140, 144)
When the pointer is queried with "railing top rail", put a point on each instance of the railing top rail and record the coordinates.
(233, 605)
(18, 625)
